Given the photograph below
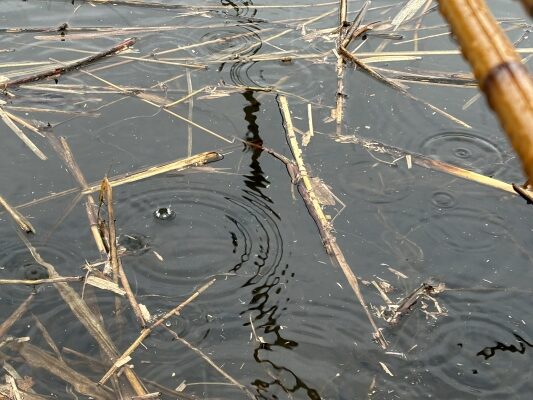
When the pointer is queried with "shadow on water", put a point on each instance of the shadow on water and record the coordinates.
(264, 308)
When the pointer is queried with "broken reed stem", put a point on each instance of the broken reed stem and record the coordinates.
(70, 66)
(21, 221)
(90, 208)
(41, 281)
(426, 162)
(15, 316)
(502, 77)
(305, 188)
(191, 106)
(64, 152)
(118, 271)
(341, 66)
(144, 173)
(379, 77)
(87, 318)
(22, 136)
(208, 360)
(147, 331)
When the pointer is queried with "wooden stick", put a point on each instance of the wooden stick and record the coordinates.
(306, 190)
(20, 219)
(147, 331)
(69, 67)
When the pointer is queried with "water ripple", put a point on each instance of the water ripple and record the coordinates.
(375, 182)
(464, 149)
(467, 229)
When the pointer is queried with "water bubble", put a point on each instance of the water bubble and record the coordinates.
(164, 214)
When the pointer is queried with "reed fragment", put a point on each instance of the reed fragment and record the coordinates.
(20, 219)
(306, 190)
(147, 331)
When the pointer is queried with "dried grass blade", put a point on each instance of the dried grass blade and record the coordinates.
(20, 219)
(407, 12)
(38, 358)
(147, 331)
(15, 316)
(22, 136)
(306, 190)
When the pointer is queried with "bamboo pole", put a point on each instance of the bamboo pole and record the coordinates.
(528, 5)
(497, 67)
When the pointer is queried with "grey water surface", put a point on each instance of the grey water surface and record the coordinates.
(281, 317)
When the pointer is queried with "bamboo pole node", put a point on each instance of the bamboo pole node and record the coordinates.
(498, 69)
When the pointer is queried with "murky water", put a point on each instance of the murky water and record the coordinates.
(280, 319)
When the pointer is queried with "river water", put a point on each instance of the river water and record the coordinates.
(281, 318)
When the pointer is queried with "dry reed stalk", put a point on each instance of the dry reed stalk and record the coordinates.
(191, 106)
(87, 318)
(38, 358)
(17, 131)
(306, 190)
(24, 123)
(148, 396)
(419, 24)
(497, 67)
(148, 100)
(68, 67)
(177, 165)
(20, 219)
(376, 75)
(41, 281)
(430, 77)
(15, 316)
(340, 67)
(187, 97)
(147, 331)
(153, 4)
(47, 337)
(208, 360)
(420, 53)
(118, 270)
(426, 162)
(63, 150)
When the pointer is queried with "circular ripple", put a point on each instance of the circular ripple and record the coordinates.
(455, 349)
(239, 8)
(465, 150)
(467, 229)
(302, 79)
(442, 199)
(161, 42)
(214, 232)
(237, 41)
(16, 262)
(375, 182)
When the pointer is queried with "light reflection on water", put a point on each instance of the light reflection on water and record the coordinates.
(281, 318)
